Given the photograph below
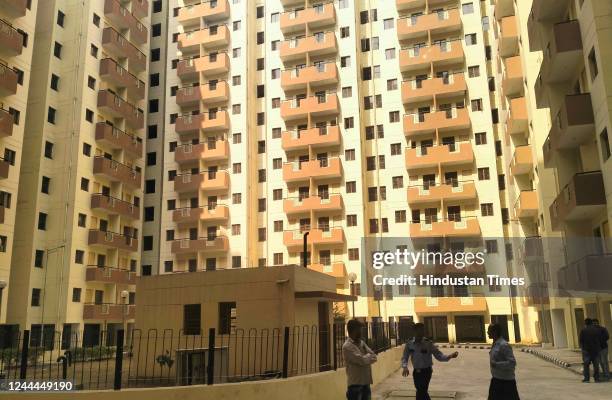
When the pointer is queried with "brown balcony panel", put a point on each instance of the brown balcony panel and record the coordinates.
(443, 121)
(574, 123)
(122, 18)
(112, 240)
(192, 14)
(580, 200)
(508, 38)
(187, 247)
(192, 124)
(189, 183)
(313, 17)
(549, 10)
(440, 22)
(512, 82)
(318, 237)
(563, 53)
(114, 73)
(117, 45)
(526, 205)
(336, 269)
(532, 249)
(215, 123)
(117, 276)
(589, 274)
(313, 203)
(409, 4)
(117, 139)
(4, 169)
(444, 54)
(117, 172)
(458, 154)
(427, 305)
(313, 105)
(209, 38)
(117, 107)
(315, 137)
(140, 8)
(418, 91)
(462, 191)
(315, 75)
(6, 123)
(517, 119)
(11, 41)
(207, 94)
(208, 65)
(8, 81)
(314, 45)
(296, 172)
(115, 206)
(109, 312)
(522, 162)
(467, 227)
(14, 8)
(193, 153)
(191, 216)
(504, 8)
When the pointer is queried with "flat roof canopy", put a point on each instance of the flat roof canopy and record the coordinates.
(325, 296)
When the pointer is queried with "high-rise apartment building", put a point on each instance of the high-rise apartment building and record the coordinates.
(77, 247)
(17, 22)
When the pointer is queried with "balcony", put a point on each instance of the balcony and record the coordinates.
(445, 53)
(331, 236)
(315, 75)
(207, 122)
(574, 123)
(118, 46)
(109, 312)
(212, 64)
(508, 37)
(536, 295)
(208, 180)
(522, 162)
(589, 274)
(114, 206)
(112, 240)
(295, 206)
(4, 168)
(526, 205)
(316, 106)
(140, 8)
(428, 305)
(11, 41)
(563, 53)
(314, 18)
(335, 269)
(442, 120)
(6, 123)
(209, 11)
(319, 44)
(117, 276)
(193, 153)
(116, 172)
(185, 247)
(417, 91)
(8, 80)
(209, 93)
(548, 10)
(444, 155)
(402, 5)
(580, 200)
(512, 81)
(504, 8)
(122, 18)
(115, 74)
(14, 8)
(517, 120)
(313, 137)
(532, 250)
(191, 216)
(314, 169)
(215, 36)
(456, 192)
(465, 227)
(117, 107)
(118, 140)
(438, 22)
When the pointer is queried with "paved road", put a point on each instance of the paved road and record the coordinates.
(469, 376)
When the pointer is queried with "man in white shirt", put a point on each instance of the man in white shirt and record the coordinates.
(503, 363)
(420, 350)
(358, 358)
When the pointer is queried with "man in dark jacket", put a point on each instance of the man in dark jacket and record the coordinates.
(590, 343)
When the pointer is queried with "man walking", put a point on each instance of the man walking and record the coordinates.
(603, 353)
(590, 344)
(420, 350)
(358, 358)
(503, 363)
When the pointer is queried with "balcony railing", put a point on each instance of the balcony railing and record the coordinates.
(192, 153)
(446, 155)
(316, 106)
(315, 137)
(314, 17)
(118, 276)
(109, 312)
(444, 53)
(313, 169)
(580, 200)
(437, 22)
(115, 206)
(419, 90)
(8, 80)
(563, 54)
(114, 105)
(434, 193)
(216, 244)
(207, 122)
(212, 64)
(214, 36)
(119, 140)
(319, 44)
(112, 240)
(456, 227)
(522, 161)
(526, 205)
(114, 73)
(122, 18)
(314, 75)
(6, 123)
(14, 8)
(117, 172)
(116, 44)
(442, 120)
(192, 215)
(512, 82)
(11, 41)
(574, 123)
(509, 37)
(297, 205)
(207, 180)
(207, 10)
(327, 236)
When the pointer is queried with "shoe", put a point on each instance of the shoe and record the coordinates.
(585, 381)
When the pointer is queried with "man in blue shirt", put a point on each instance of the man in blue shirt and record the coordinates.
(503, 363)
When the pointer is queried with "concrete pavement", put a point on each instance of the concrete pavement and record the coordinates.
(469, 377)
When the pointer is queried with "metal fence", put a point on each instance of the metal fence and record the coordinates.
(168, 357)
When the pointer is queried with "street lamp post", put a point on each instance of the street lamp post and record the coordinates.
(352, 278)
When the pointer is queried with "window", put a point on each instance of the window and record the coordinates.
(236, 109)
(278, 258)
(605, 144)
(39, 256)
(467, 8)
(498, 148)
(79, 256)
(261, 64)
(236, 261)
(345, 32)
(60, 18)
(57, 50)
(261, 205)
(236, 25)
(3, 243)
(400, 216)
(476, 105)
(392, 84)
(349, 155)
(276, 73)
(261, 234)
(154, 80)
(155, 54)
(169, 235)
(260, 11)
(501, 181)
(49, 150)
(96, 20)
(277, 194)
(54, 82)
(150, 186)
(260, 37)
(345, 62)
(91, 82)
(236, 52)
(474, 71)
(51, 115)
(483, 174)
(394, 116)
(35, 302)
(491, 84)
(593, 69)
(276, 133)
(153, 105)
(388, 23)
(149, 214)
(398, 182)
(147, 243)
(486, 209)
(237, 198)
(389, 54)
(480, 138)
(485, 23)
(470, 39)
(261, 118)
(351, 220)
(236, 168)
(347, 92)
(351, 187)
(353, 254)
(227, 317)
(495, 115)
(82, 220)
(168, 266)
(192, 319)
(42, 221)
(349, 123)
(94, 51)
(236, 229)
(396, 149)
(157, 6)
(146, 270)
(152, 132)
(89, 115)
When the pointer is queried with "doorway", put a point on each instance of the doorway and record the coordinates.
(324, 336)
(436, 328)
(470, 328)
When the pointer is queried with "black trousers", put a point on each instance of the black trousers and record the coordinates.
(501, 389)
(358, 392)
(421, 379)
